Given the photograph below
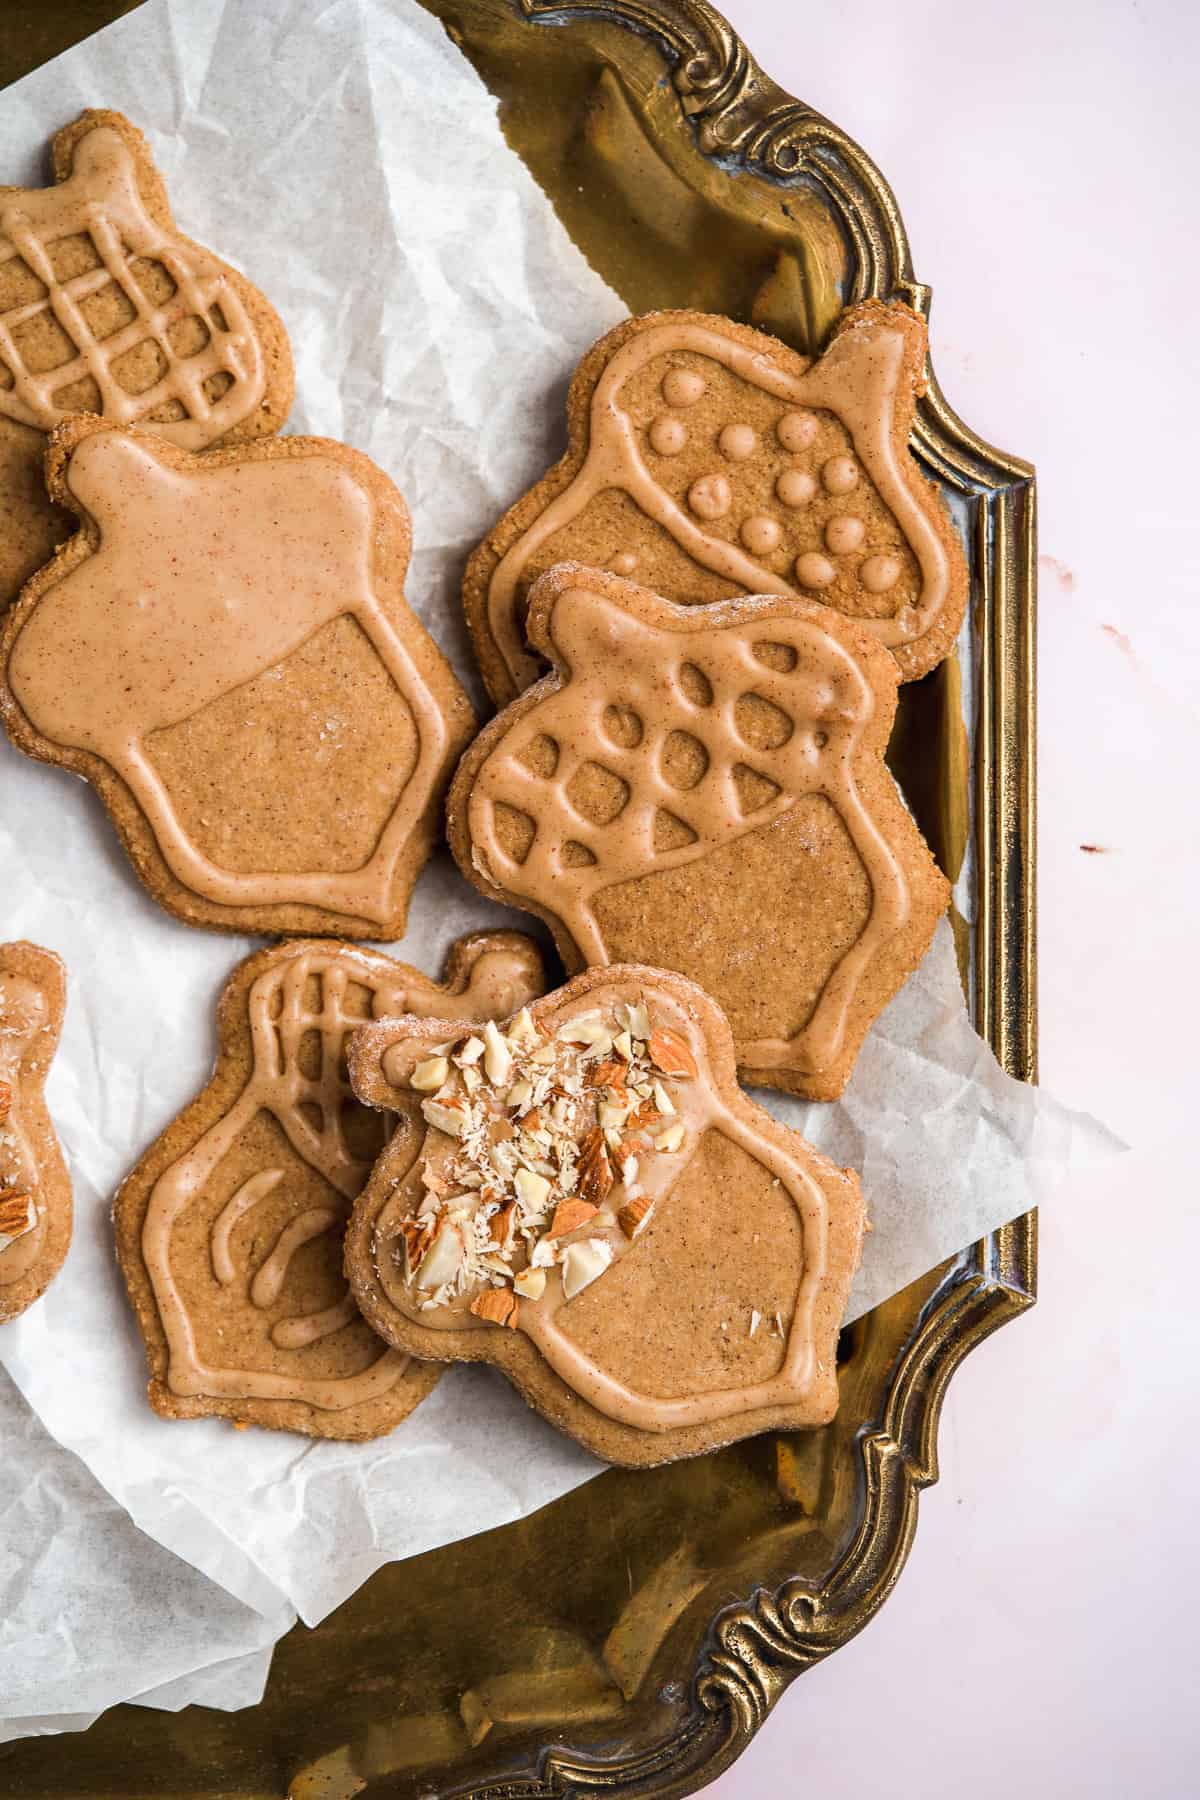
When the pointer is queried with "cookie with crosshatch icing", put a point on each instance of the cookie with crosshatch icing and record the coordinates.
(708, 460)
(106, 308)
(703, 788)
(267, 721)
(35, 1189)
(229, 1230)
(587, 1199)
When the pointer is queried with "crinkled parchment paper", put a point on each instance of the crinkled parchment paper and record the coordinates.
(345, 155)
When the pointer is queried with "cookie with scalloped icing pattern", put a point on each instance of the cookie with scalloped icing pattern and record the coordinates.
(105, 307)
(267, 721)
(703, 788)
(708, 460)
(587, 1200)
(35, 1188)
(229, 1230)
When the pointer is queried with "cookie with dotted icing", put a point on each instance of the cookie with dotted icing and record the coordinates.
(703, 788)
(229, 1230)
(35, 1188)
(586, 1198)
(267, 721)
(105, 307)
(708, 460)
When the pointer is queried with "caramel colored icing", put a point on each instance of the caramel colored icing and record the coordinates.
(198, 397)
(858, 380)
(697, 725)
(310, 994)
(648, 1033)
(203, 578)
(23, 1014)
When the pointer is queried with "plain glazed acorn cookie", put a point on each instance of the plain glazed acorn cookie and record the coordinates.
(708, 460)
(35, 1189)
(106, 308)
(229, 1230)
(265, 718)
(702, 788)
(589, 1201)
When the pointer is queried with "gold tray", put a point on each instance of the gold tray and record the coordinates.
(633, 1635)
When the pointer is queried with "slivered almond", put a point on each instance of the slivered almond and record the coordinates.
(569, 1215)
(497, 1305)
(594, 1169)
(670, 1054)
(14, 1213)
(633, 1215)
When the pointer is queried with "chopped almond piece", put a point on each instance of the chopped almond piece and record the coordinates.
(633, 1215)
(594, 1168)
(14, 1213)
(429, 1075)
(502, 1224)
(569, 1215)
(608, 1074)
(5, 1100)
(645, 1118)
(670, 1054)
(530, 1283)
(497, 1305)
(417, 1239)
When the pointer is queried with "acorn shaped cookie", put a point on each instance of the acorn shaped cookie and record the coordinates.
(229, 1230)
(708, 460)
(267, 721)
(703, 789)
(35, 1189)
(588, 1200)
(105, 307)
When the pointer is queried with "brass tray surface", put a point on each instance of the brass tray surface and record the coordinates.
(633, 1635)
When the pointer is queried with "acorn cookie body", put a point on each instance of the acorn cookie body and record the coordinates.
(265, 718)
(703, 788)
(588, 1200)
(35, 1189)
(229, 1230)
(708, 460)
(105, 307)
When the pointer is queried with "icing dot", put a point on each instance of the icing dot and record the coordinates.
(668, 436)
(623, 563)
(840, 474)
(761, 534)
(879, 573)
(737, 442)
(795, 487)
(709, 497)
(813, 570)
(796, 431)
(682, 387)
(844, 533)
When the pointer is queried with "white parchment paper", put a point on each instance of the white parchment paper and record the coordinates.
(345, 155)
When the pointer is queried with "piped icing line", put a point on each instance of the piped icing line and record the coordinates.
(857, 379)
(170, 613)
(603, 655)
(278, 1018)
(655, 1038)
(101, 198)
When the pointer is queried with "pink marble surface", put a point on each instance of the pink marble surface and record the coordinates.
(1041, 1641)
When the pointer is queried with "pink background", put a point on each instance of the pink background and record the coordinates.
(1041, 1640)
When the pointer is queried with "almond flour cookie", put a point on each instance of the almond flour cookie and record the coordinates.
(267, 721)
(106, 308)
(589, 1201)
(703, 788)
(229, 1230)
(708, 460)
(35, 1189)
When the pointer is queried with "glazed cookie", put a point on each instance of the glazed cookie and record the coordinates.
(229, 1230)
(35, 1189)
(703, 788)
(267, 721)
(105, 308)
(708, 460)
(590, 1202)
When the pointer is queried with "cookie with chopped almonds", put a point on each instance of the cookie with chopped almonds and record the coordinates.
(229, 1230)
(35, 1189)
(587, 1199)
